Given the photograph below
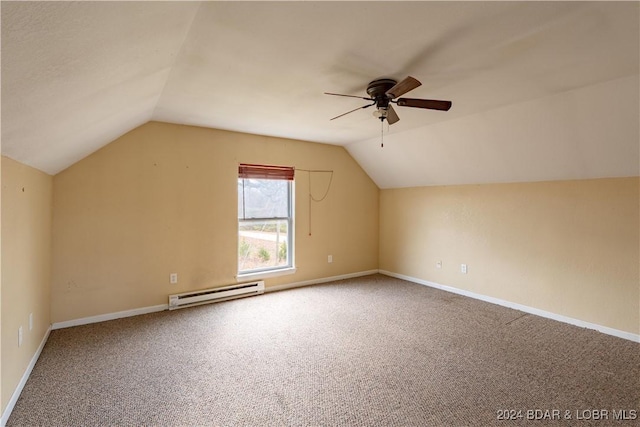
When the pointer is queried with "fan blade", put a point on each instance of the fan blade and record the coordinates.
(355, 109)
(392, 116)
(350, 96)
(430, 104)
(403, 87)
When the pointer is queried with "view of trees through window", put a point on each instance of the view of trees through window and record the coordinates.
(264, 223)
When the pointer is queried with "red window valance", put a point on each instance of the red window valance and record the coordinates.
(265, 172)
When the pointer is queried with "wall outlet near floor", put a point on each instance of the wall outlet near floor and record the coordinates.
(439, 264)
(19, 336)
(463, 268)
(173, 278)
(330, 259)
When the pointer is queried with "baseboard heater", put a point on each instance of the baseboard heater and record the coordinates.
(207, 296)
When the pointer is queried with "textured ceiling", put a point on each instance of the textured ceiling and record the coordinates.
(540, 90)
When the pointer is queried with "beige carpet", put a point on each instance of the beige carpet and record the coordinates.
(372, 351)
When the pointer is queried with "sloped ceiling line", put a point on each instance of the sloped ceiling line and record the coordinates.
(176, 58)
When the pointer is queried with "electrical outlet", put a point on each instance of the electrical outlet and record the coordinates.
(330, 259)
(463, 268)
(30, 321)
(20, 336)
(173, 278)
(439, 264)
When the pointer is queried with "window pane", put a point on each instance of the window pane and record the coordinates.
(240, 199)
(263, 245)
(263, 198)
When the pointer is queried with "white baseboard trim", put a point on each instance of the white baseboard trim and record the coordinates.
(531, 310)
(109, 316)
(16, 394)
(162, 307)
(319, 281)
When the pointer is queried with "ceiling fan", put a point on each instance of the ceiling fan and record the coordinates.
(383, 92)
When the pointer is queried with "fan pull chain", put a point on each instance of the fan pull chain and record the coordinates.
(382, 132)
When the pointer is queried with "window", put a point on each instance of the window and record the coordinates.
(265, 218)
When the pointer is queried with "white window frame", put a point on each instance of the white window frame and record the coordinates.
(275, 271)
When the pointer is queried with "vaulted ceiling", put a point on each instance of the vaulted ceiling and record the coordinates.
(540, 90)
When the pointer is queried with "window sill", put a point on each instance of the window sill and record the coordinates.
(266, 274)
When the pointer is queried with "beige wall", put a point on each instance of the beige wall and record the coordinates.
(162, 199)
(26, 272)
(567, 247)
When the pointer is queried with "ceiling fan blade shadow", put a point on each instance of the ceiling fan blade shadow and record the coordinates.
(355, 66)
(430, 104)
(392, 116)
(421, 62)
(403, 87)
(355, 109)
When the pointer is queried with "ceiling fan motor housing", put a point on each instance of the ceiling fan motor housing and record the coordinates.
(377, 90)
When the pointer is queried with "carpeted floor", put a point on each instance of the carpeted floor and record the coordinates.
(371, 351)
